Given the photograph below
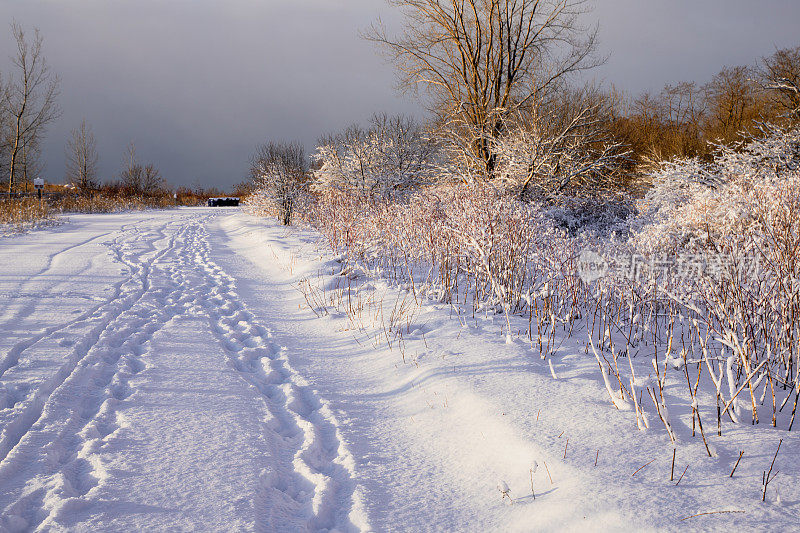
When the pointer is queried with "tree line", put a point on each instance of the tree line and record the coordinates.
(28, 105)
(500, 81)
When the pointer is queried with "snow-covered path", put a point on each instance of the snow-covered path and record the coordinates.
(162, 371)
(153, 399)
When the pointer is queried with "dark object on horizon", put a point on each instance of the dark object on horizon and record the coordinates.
(223, 202)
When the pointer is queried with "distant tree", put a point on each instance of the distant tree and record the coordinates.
(649, 114)
(30, 101)
(683, 113)
(140, 179)
(480, 60)
(669, 124)
(279, 170)
(732, 104)
(131, 177)
(82, 158)
(780, 74)
(152, 182)
(244, 188)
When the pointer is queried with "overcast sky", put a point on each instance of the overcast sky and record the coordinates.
(196, 84)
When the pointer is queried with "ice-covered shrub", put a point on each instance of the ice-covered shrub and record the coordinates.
(604, 216)
(708, 259)
(738, 196)
(551, 151)
(480, 245)
(737, 219)
(390, 157)
(458, 241)
(281, 180)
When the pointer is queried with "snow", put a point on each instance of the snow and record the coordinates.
(161, 370)
(25, 227)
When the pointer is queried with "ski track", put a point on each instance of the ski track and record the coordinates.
(49, 452)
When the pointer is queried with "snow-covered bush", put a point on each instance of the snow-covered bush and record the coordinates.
(458, 242)
(737, 220)
(280, 174)
(391, 157)
(605, 216)
(479, 245)
(738, 196)
(709, 256)
(548, 152)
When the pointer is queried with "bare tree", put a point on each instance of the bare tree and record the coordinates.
(82, 158)
(5, 130)
(780, 73)
(131, 177)
(31, 100)
(137, 178)
(152, 182)
(280, 173)
(480, 60)
(683, 113)
(732, 103)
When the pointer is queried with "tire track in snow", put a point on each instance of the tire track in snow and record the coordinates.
(72, 411)
(13, 355)
(27, 310)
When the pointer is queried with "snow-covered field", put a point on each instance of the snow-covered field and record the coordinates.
(166, 371)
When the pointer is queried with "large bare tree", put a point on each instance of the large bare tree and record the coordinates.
(481, 60)
(82, 158)
(31, 100)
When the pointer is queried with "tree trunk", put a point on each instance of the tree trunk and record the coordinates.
(11, 175)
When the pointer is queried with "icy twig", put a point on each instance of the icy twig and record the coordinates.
(684, 473)
(768, 476)
(641, 467)
(741, 453)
